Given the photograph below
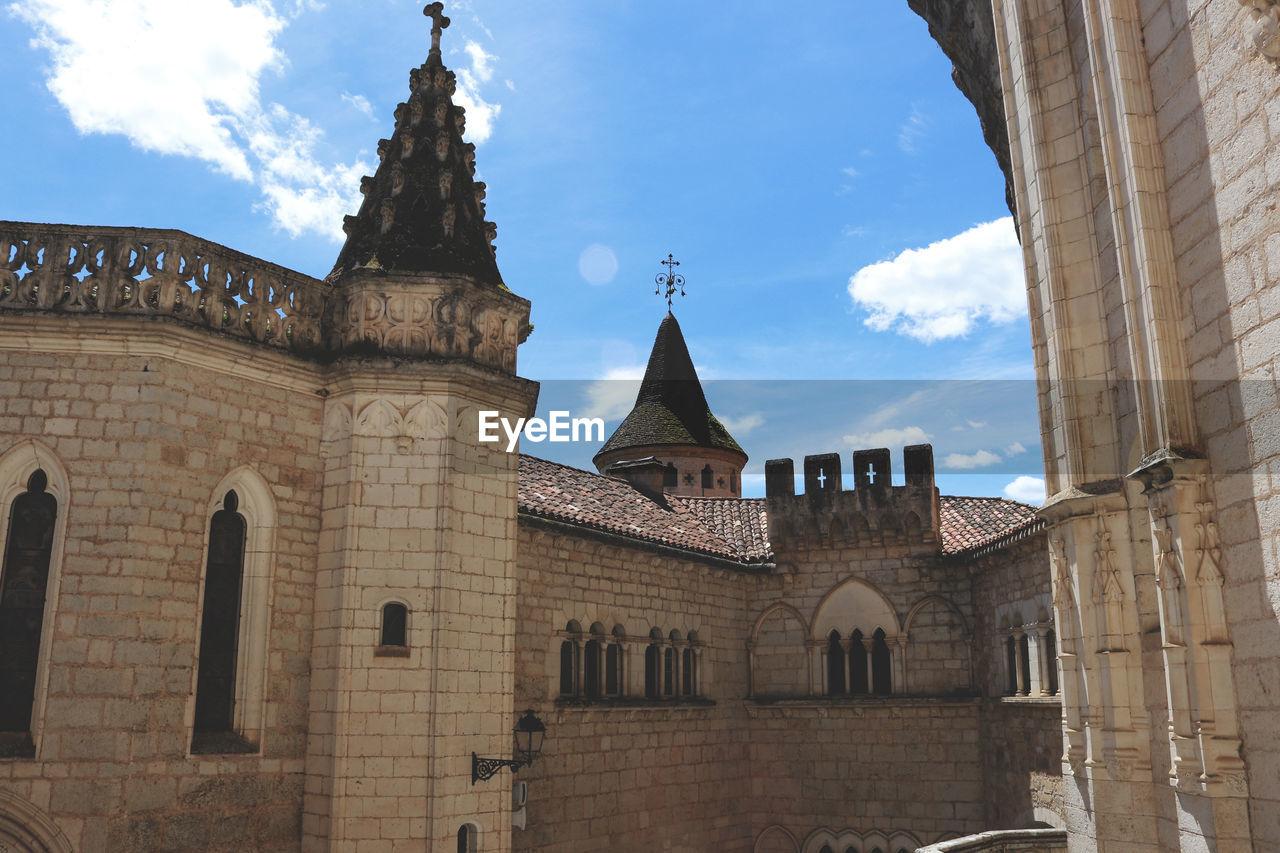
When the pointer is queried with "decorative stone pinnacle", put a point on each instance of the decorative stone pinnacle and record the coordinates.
(670, 279)
(435, 11)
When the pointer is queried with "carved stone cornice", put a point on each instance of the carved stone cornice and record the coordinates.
(428, 315)
(1099, 498)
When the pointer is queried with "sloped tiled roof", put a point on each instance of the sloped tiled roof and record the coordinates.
(970, 523)
(734, 529)
(611, 504)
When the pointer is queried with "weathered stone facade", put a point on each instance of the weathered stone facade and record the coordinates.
(855, 683)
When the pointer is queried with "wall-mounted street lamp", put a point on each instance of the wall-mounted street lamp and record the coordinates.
(529, 732)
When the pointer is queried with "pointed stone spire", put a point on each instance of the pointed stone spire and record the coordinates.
(423, 211)
(672, 422)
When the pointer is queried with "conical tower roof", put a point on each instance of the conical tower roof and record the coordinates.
(670, 408)
(422, 210)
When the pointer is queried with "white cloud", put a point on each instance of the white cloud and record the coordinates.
(612, 396)
(855, 231)
(1014, 449)
(743, 425)
(183, 78)
(912, 130)
(976, 424)
(944, 289)
(360, 102)
(1029, 490)
(965, 461)
(480, 113)
(850, 171)
(888, 438)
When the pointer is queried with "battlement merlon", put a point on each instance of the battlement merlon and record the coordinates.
(874, 511)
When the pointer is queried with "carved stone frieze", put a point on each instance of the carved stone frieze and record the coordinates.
(422, 421)
(429, 316)
(1262, 30)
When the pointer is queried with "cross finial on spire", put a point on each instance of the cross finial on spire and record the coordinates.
(670, 279)
(435, 11)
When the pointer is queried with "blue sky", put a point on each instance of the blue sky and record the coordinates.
(822, 182)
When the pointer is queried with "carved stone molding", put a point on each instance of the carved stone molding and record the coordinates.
(447, 317)
(379, 418)
(1262, 31)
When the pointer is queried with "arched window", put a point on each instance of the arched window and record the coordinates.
(220, 629)
(835, 665)
(613, 670)
(1051, 662)
(708, 477)
(733, 481)
(467, 839)
(1011, 666)
(670, 478)
(881, 682)
(826, 848)
(669, 672)
(652, 662)
(858, 683)
(24, 583)
(591, 669)
(1024, 652)
(569, 660)
(229, 686)
(688, 672)
(395, 625)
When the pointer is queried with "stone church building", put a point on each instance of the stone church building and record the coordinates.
(265, 588)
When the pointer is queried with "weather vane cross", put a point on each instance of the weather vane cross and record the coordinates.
(435, 11)
(670, 279)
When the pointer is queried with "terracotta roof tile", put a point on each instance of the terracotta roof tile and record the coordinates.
(969, 523)
(730, 528)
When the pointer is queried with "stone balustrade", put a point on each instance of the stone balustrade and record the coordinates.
(158, 272)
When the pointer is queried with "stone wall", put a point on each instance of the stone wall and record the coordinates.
(630, 773)
(145, 441)
(1021, 735)
(1218, 120)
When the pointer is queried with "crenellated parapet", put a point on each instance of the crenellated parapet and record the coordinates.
(874, 513)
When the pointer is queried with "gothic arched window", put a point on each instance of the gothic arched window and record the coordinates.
(1011, 666)
(652, 662)
(220, 621)
(881, 681)
(24, 583)
(835, 665)
(591, 669)
(688, 672)
(1024, 653)
(858, 682)
(613, 669)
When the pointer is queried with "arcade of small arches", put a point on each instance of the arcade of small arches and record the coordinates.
(1030, 656)
(777, 839)
(601, 666)
(855, 645)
